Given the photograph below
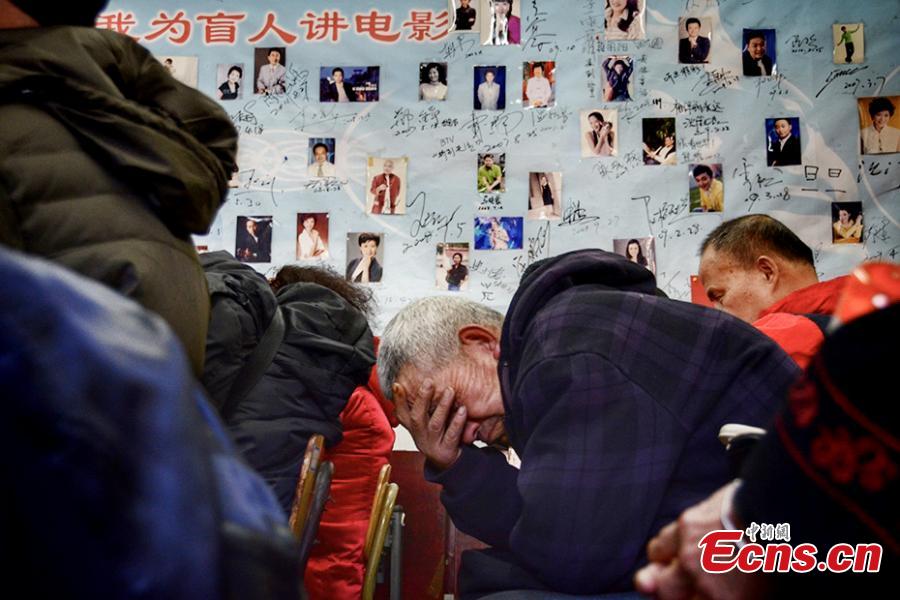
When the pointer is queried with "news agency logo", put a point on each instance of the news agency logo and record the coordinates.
(723, 550)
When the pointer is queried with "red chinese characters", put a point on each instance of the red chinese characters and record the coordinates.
(377, 26)
(220, 28)
(286, 36)
(178, 28)
(319, 27)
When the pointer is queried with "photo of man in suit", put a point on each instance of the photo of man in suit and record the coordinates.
(694, 48)
(338, 89)
(755, 59)
(465, 16)
(784, 145)
(254, 239)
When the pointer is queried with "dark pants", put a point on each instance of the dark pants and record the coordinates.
(850, 49)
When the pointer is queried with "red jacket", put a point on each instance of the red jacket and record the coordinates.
(784, 321)
(336, 565)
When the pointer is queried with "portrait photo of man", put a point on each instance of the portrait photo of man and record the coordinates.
(694, 40)
(466, 15)
(321, 159)
(848, 43)
(335, 88)
(387, 187)
(707, 193)
(452, 267)
(253, 243)
(270, 70)
(783, 142)
(758, 57)
(490, 173)
(489, 88)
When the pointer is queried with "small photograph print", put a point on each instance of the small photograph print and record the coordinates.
(348, 84)
(491, 173)
(498, 233)
(758, 54)
(659, 141)
(321, 158)
(598, 132)
(253, 242)
(433, 81)
(545, 195)
(452, 267)
(386, 185)
(847, 222)
(365, 257)
(624, 19)
(182, 68)
(848, 43)
(466, 15)
(312, 236)
(638, 250)
(539, 84)
(269, 66)
(501, 23)
(230, 81)
(707, 192)
(490, 88)
(783, 142)
(617, 84)
(879, 125)
(694, 40)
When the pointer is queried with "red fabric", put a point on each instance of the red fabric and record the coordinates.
(336, 565)
(797, 335)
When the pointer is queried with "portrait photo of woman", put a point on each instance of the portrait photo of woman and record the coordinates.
(598, 137)
(230, 79)
(624, 19)
(433, 82)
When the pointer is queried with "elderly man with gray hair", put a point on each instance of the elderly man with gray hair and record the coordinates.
(611, 395)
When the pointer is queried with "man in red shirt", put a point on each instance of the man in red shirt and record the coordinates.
(758, 270)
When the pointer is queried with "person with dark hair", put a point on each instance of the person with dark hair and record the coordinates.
(488, 92)
(490, 176)
(538, 92)
(712, 192)
(755, 60)
(617, 79)
(847, 41)
(623, 20)
(271, 75)
(231, 87)
(320, 166)
(757, 269)
(635, 253)
(254, 241)
(109, 169)
(693, 49)
(434, 86)
(784, 147)
(339, 90)
(879, 137)
(309, 242)
(600, 137)
(465, 16)
(848, 228)
(663, 155)
(366, 268)
(505, 27)
(456, 274)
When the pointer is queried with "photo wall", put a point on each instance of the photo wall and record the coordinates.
(439, 146)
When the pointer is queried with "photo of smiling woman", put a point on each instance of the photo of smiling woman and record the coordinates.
(598, 137)
(363, 253)
(229, 78)
(624, 19)
(433, 81)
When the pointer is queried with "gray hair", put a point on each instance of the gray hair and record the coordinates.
(426, 335)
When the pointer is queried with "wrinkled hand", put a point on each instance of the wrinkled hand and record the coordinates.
(437, 434)
(674, 572)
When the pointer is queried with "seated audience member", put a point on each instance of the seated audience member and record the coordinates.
(828, 468)
(758, 270)
(336, 567)
(121, 482)
(109, 168)
(280, 366)
(611, 396)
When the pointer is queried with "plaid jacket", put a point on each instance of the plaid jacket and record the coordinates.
(614, 398)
